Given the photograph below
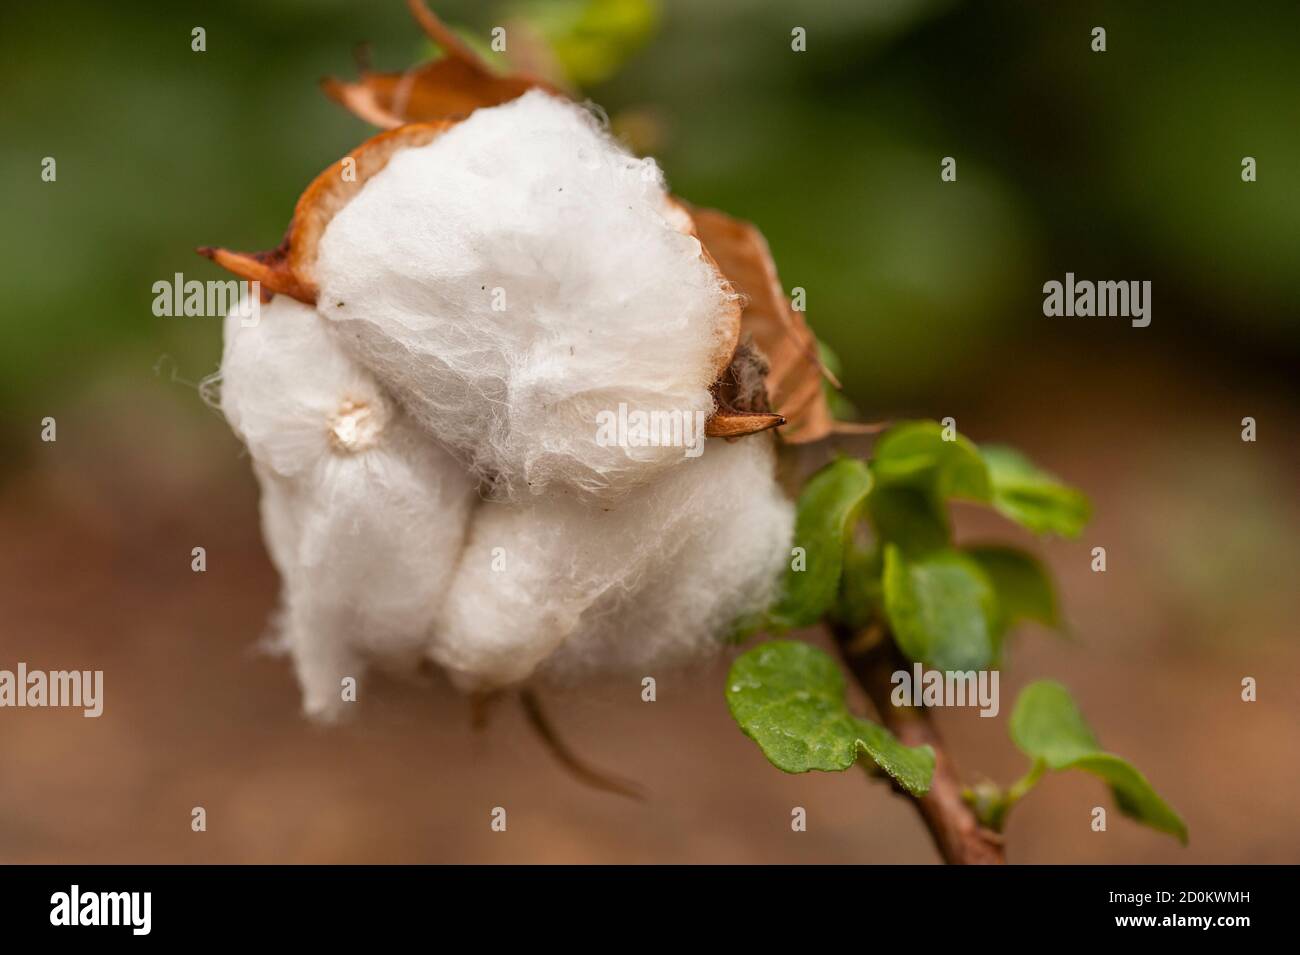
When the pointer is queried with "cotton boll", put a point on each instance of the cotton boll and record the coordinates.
(516, 277)
(729, 565)
(363, 513)
(656, 577)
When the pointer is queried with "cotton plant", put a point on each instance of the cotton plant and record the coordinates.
(456, 305)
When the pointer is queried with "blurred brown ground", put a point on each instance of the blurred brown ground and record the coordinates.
(1201, 533)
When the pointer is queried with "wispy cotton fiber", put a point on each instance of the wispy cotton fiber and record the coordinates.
(363, 514)
(655, 579)
(515, 277)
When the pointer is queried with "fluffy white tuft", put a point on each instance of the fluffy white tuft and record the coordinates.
(514, 278)
(655, 579)
(485, 301)
(363, 514)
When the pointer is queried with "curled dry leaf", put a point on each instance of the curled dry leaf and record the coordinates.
(794, 371)
(450, 87)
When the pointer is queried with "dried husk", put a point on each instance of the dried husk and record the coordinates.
(448, 88)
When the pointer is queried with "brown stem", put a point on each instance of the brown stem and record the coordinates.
(595, 778)
(872, 658)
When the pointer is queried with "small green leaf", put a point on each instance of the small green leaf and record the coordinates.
(861, 598)
(827, 507)
(789, 698)
(915, 454)
(942, 609)
(1032, 497)
(1047, 725)
(908, 517)
(1134, 794)
(592, 39)
(1022, 583)
(842, 409)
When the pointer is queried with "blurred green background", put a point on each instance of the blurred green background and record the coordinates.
(1123, 164)
(1116, 165)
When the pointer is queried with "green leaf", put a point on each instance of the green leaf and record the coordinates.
(1032, 497)
(592, 39)
(915, 454)
(942, 609)
(908, 517)
(789, 698)
(861, 599)
(842, 409)
(827, 507)
(1023, 585)
(1047, 725)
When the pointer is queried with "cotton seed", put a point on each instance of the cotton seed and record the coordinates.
(355, 427)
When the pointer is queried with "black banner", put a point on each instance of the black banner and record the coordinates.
(918, 904)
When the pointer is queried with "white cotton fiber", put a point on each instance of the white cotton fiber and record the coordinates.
(726, 566)
(364, 515)
(516, 277)
(657, 578)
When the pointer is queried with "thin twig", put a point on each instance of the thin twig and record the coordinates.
(568, 759)
(480, 709)
(956, 831)
(437, 31)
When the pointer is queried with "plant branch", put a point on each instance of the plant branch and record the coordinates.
(872, 658)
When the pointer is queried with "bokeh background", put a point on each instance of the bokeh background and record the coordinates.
(1115, 165)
